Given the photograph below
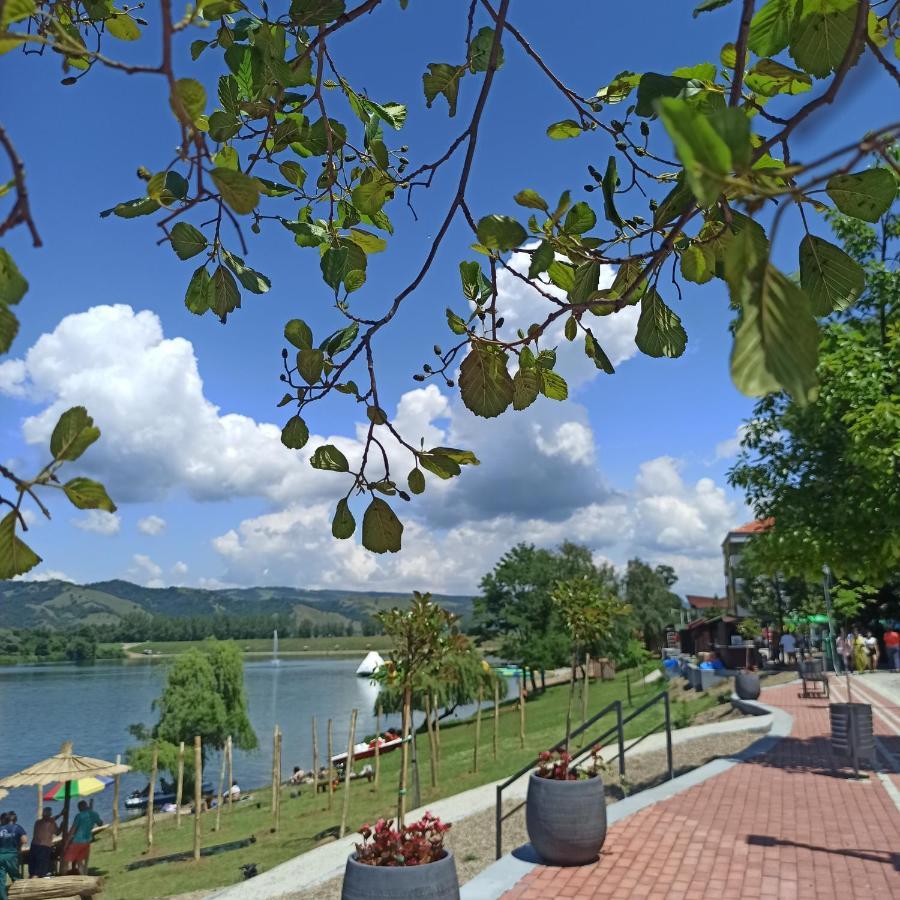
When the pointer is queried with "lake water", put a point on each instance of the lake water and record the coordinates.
(93, 705)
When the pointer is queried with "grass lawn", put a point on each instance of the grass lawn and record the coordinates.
(318, 645)
(305, 816)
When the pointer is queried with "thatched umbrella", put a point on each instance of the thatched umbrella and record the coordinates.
(63, 766)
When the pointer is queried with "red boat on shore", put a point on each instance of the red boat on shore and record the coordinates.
(367, 751)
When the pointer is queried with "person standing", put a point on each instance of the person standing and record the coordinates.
(12, 837)
(872, 651)
(860, 654)
(789, 647)
(78, 851)
(40, 857)
(892, 646)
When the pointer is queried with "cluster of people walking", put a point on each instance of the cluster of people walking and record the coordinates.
(861, 652)
(15, 849)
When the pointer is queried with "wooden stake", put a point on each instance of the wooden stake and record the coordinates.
(584, 690)
(278, 742)
(330, 770)
(229, 746)
(198, 793)
(348, 769)
(115, 818)
(477, 730)
(219, 796)
(404, 758)
(496, 716)
(315, 745)
(179, 785)
(153, 767)
(522, 710)
(377, 746)
(437, 731)
(432, 750)
(274, 780)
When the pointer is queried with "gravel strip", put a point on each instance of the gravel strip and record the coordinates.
(472, 839)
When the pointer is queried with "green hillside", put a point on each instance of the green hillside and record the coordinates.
(60, 605)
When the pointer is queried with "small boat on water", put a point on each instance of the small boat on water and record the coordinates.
(367, 750)
(370, 665)
(138, 799)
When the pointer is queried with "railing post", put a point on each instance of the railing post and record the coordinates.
(620, 737)
(668, 735)
(498, 823)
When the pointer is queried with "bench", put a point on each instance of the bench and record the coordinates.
(814, 677)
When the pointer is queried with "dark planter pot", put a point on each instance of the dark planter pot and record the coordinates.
(746, 685)
(566, 820)
(435, 881)
(851, 731)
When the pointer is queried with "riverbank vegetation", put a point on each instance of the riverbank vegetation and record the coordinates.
(303, 816)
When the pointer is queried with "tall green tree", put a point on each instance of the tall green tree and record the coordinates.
(648, 592)
(516, 608)
(276, 136)
(829, 471)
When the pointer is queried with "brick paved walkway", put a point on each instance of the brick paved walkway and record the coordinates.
(789, 824)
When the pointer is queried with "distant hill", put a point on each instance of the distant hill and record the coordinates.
(60, 604)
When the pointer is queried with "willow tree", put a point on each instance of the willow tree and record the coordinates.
(272, 137)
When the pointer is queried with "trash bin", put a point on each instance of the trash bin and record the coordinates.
(851, 731)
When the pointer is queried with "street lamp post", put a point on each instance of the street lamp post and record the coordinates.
(826, 572)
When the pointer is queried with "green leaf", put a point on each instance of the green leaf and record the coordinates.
(830, 278)
(596, 353)
(328, 457)
(382, 531)
(821, 34)
(561, 131)
(705, 155)
(167, 187)
(299, 334)
(17, 11)
(457, 325)
(864, 195)
(222, 127)
(619, 88)
(123, 27)
(626, 275)
(500, 233)
(442, 78)
(484, 382)
(16, 557)
(541, 259)
(295, 434)
(343, 525)
(366, 241)
(416, 481)
(610, 183)
(439, 465)
(532, 200)
(197, 47)
(224, 296)
(372, 192)
(341, 340)
(553, 385)
(676, 202)
(708, 5)
(659, 332)
(698, 264)
(239, 191)
(562, 275)
(188, 100)
(196, 298)
(526, 387)
(770, 28)
(587, 277)
(187, 241)
(86, 494)
(652, 87)
(74, 433)
(131, 209)
(777, 339)
(316, 12)
(293, 172)
(252, 280)
(480, 50)
(770, 78)
(580, 218)
(309, 365)
(9, 328)
(13, 286)
(462, 457)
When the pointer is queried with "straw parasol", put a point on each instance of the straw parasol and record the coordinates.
(64, 766)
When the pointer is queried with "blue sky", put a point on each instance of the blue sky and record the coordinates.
(634, 464)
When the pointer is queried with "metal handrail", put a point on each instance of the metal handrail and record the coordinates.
(618, 729)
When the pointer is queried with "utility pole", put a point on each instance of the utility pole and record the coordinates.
(826, 572)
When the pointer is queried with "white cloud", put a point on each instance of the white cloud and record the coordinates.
(146, 571)
(99, 522)
(152, 525)
(13, 374)
(42, 574)
(180, 568)
(729, 448)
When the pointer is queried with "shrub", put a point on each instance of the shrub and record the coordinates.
(412, 845)
(559, 768)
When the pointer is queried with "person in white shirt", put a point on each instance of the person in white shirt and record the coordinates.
(235, 791)
(788, 645)
(872, 650)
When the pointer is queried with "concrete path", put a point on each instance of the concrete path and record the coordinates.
(328, 861)
(789, 823)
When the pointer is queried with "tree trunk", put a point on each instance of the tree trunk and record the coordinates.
(571, 697)
(229, 745)
(522, 712)
(496, 715)
(315, 749)
(404, 757)
(432, 752)
(179, 785)
(584, 696)
(477, 731)
(533, 682)
(153, 769)
(220, 796)
(543, 681)
(348, 770)
(198, 797)
(330, 772)
(437, 732)
(115, 815)
(377, 747)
